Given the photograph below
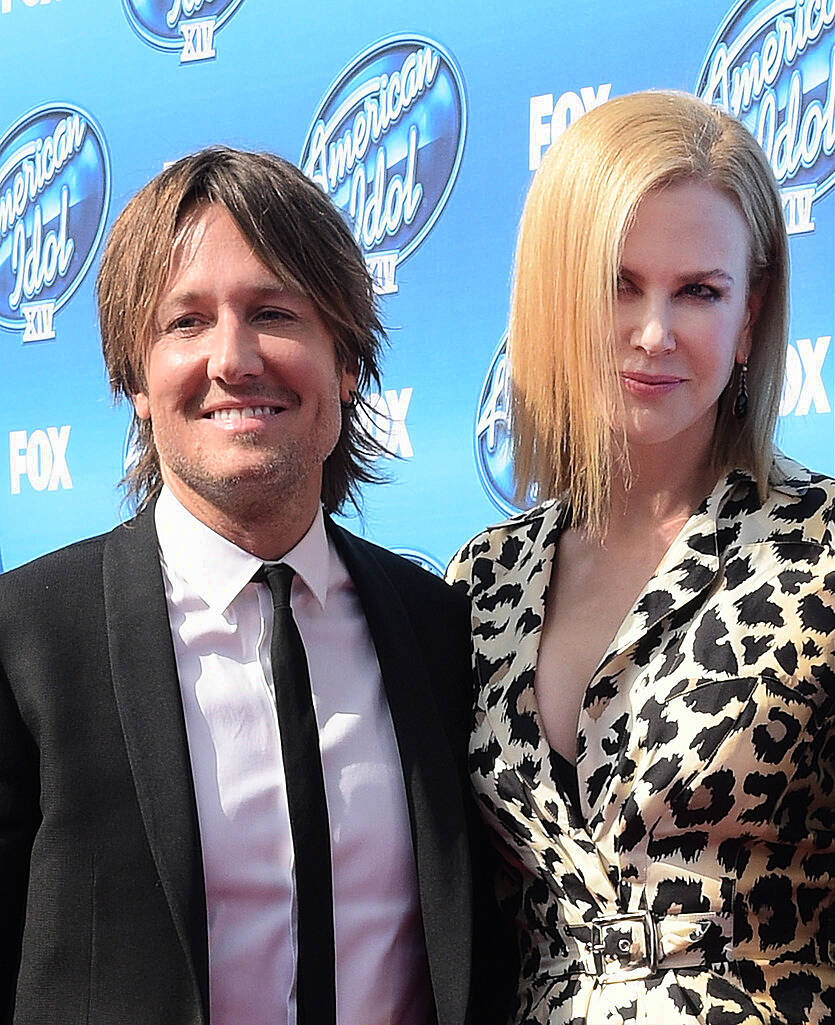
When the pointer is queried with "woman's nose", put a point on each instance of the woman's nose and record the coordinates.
(654, 331)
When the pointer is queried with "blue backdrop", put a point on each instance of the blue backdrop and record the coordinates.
(424, 128)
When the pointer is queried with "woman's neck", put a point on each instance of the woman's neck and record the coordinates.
(659, 495)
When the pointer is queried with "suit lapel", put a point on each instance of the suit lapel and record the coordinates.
(148, 699)
(687, 569)
(436, 813)
(509, 602)
(509, 596)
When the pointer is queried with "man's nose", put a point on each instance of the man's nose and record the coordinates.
(235, 350)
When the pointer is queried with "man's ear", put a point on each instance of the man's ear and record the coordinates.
(348, 378)
(141, 405)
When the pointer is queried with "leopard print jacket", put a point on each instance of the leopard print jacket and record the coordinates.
(696, 880)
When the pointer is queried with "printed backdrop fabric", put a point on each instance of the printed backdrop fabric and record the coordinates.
(424, 124)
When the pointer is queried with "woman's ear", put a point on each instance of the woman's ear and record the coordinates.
(756, 295)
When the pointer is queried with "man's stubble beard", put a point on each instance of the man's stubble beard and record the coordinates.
(258, 492)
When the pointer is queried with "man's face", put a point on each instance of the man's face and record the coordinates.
(242, 386)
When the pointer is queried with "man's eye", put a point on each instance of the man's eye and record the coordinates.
(184, 323)
(272, 314)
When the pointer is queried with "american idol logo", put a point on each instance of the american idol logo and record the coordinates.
(54, 196)
(772, 64)
(493, 445)
(185, 25)
(427, 562)
(386, 144)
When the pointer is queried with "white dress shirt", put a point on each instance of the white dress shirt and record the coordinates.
(221, 625)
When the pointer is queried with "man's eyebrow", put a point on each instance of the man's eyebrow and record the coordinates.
(176, 298)
(267, 289)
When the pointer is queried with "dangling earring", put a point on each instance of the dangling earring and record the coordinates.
(741, 400)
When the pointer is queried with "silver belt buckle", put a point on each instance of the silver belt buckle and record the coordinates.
(613, 961)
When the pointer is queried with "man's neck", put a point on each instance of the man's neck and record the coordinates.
(267, 527)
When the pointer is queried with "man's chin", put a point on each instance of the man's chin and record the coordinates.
(245, 485)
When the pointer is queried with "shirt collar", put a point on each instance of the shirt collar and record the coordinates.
(218, 570)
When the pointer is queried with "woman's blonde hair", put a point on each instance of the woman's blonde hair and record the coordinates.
(565, 392)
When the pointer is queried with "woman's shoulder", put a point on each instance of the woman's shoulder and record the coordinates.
(800, 502)
(799, 507)
(789, 474)
(507, 541)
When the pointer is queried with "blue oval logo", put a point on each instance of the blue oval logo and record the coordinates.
(772, 65)
(427, 562)
(493, 445)
(54, 198)
(386, 144)
(186, 25)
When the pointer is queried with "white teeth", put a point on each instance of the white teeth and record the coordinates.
(230, 415)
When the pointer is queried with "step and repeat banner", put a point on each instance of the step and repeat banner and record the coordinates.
(424, 124)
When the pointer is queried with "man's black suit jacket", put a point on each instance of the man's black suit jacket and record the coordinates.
(102, 907)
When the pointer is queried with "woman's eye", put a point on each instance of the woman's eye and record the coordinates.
(625, 286)
(699, 291)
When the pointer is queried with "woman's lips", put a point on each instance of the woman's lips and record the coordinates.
(648, 385)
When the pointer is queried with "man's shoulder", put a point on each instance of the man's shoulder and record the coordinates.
(59, 564)
(68, 568)
(412, 581)
(49, 603)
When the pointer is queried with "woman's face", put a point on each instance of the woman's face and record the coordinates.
(683, 315)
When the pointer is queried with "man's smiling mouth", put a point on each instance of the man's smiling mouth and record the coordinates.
(235, 414)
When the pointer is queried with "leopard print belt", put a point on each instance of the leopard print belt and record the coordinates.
(634, 945)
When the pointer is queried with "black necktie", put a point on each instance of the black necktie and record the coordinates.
(315, 981)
